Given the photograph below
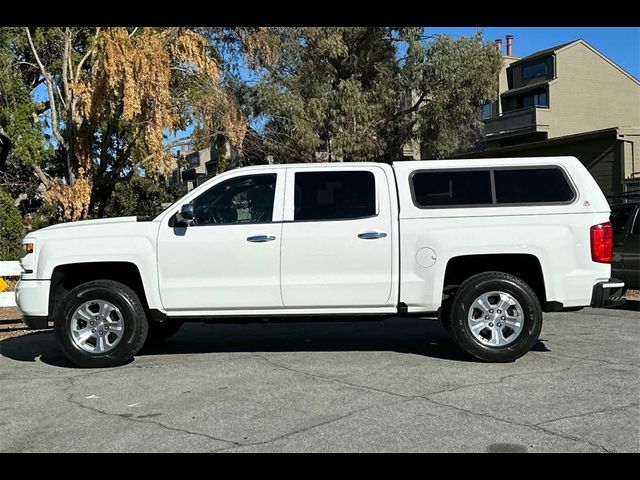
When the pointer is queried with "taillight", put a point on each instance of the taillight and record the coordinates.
(602, 243)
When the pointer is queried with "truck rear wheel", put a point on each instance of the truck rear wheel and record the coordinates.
(495, 317)
(101, 323)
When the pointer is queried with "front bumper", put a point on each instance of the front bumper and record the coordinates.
(608, 294)
(32, 297)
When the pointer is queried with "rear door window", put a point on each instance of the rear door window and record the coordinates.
(334, 195)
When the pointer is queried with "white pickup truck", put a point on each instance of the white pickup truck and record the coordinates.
(488, 245)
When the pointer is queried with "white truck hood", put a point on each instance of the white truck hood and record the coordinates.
(107, 239)
(90, 223)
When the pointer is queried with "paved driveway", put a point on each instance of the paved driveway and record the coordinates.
(395, 385)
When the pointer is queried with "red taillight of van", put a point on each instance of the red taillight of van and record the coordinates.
(602, 243)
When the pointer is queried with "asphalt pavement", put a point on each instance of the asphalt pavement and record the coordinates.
(398, 385)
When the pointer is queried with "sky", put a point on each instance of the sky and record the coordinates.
(619, 44)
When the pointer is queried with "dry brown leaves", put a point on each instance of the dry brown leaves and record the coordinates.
(129, 79)
(72, 201)
(257, 45)
(133, 74)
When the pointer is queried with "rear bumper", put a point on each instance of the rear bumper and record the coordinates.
(608, 294)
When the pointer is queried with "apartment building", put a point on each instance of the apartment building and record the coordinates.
(567, 100)
(196, 167)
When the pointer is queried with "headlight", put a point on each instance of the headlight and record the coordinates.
(28, 261)
(27, 248)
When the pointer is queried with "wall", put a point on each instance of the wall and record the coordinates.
(590, 94)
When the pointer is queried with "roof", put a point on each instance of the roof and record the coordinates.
(526, 88)
(543, 53)
(562, 46)
(615, 132)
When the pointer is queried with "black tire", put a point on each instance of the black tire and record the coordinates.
(133, 316)
(486, 282)
(161, 331)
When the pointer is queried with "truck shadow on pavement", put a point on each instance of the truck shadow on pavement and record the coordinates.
(417, 336)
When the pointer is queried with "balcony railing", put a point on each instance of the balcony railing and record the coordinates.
(524, 120)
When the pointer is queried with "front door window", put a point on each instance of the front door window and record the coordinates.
(247, 199)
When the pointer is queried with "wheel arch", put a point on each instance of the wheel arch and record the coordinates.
(525, 266)
(65, 277)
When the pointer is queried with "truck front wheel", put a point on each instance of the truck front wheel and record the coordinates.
(100, 323)
(495, 317)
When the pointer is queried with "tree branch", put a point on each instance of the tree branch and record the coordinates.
(41, 175)
(26, 63)
(64, 104)
(104, 149)
(52, 99)
(69, 49)
(89, 52)
(171, 34)
(412, 108)
(66, 66)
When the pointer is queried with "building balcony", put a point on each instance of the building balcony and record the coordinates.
(517, 122)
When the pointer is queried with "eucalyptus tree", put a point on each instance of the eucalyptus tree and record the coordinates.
(364, 93)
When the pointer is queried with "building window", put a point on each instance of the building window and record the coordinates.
(534, 70)
(486, 110)
(449, 188)
(536, 98)
(194, 160)
(334, 195)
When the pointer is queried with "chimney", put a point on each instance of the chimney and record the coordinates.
(509, 45)
(499, 44)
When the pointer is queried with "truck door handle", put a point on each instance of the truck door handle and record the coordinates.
(371, 235)
(261, 238)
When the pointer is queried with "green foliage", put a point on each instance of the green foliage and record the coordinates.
(363, 93)
(19, 113)
(138, 196)
(11, 229)
(461, 75)
(43, 217)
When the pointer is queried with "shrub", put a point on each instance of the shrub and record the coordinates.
(138, 196)
(11, 229)
(43, 217)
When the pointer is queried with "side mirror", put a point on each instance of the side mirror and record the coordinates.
(184, 217)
